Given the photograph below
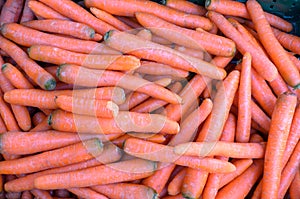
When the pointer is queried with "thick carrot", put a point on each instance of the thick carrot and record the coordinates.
(42, 194)
(239, 9)
(110, 154)
(130, 7)
(64, 27)
(98, 108)
(118, 172)
(27, 14)
(27, 37)
(294, 188)
(141, 48)
(162, 153)
(73, 74)
(240, 186)
(284, 65)
(260, 62)
(41, 10)
(244, 105)
(288, 41)
(289, 172)
(15, 77)
(185, 6)
(86, 193)
(7, 116)
(214, 44)
(32, 69)
(11, 11)
(110, 19)
(280, 126)
(125, 191)
(175, 185)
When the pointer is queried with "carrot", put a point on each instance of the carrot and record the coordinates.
(289, 172)
(64, 27)
(93, 78)
(16, 78)
(7, 116)
(260, 62)
(260, 117)
(2, 126)
(162, 153)
(288, 41)
(290, 74)
(176, 183)
(32, 69)
(220, 61)
(240, 186)
(42, 194)
(27, 14)
(295, 60)
(189, 51)
(98, 108)
(214, 44)
(26, 195)
(43, 126)
(110, 19)
(156, 138)
(41, 10)
(131, 22)
(118, 172)
(185, 6)
(239, 9)
(145, 34)
(155, 52)
(27, 37)
(130, 7)
(178, 196)
(125, 191)
(280, 126)
(37, 118)
(294, 188)
(86, 193)
(110, 154)
(11, 11)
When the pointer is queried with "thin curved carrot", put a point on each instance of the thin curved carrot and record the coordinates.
(110, 19)
(280, 126)
(186, 6)
(44, 11)
(125, 191)
(11, 11)
(130, 7)
(32, 69)
(86, 193)
(119, 172)
(288, 41)
(64, 27)
(41, 194)
(145, 34)
(27, 14)
(37, 118)
(284, 65)
(294, 188)
(268, 71)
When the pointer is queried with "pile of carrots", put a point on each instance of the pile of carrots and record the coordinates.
(131, 99)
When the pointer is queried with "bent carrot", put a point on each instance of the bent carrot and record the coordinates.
(27, 14)
(185, 6)
(125, 191)
(86, 193)
(32, 69)
(119, 172)
(11, 11)
(41, 10)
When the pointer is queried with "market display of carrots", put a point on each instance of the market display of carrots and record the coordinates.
(134, 99)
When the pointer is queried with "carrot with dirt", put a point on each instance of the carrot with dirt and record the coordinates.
(15, 77)
(130, 7)
(86, 193)
(141, 48)
(11, 11)
(64, 27)
(31, 68)
(98, 108)
(214, 44)
(118, 172)
(27, 37)
(73, 74)
(284, 65)
(239, 9)
(185, 6)
(110, 154)
(27, 14)
(280, 126)
(126, 191)
(41, 10)
(288, 41)
(260, 62)
(110, 19)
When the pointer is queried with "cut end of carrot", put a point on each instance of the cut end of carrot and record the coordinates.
(50, 84)
(108, 34)
(113, 107)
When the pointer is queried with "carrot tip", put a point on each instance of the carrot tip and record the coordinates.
(50, 84)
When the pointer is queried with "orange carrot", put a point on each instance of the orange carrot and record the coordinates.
(11, 11)
(42, 194)
(130, 7)
(7, 116)
(280, 126)
(156, 138)
(125, 191)
(178, 196)
(72, 153)
(43, 126)
(64, 27)
(284, 65)
(185, 6)
(86, 193)
(155, 52)
(27, 14)
(145, 34)
(130, 21)
(176, 183)
(214, 44)
(77, 13)
(288, 41)
(33, 70)
(37, 118)
(41, 10)
(189, 51)
(260, 117)
(118, 172)
(260, 62)
(27, 37)
(294, 188)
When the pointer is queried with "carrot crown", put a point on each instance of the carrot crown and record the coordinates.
(107, 34)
